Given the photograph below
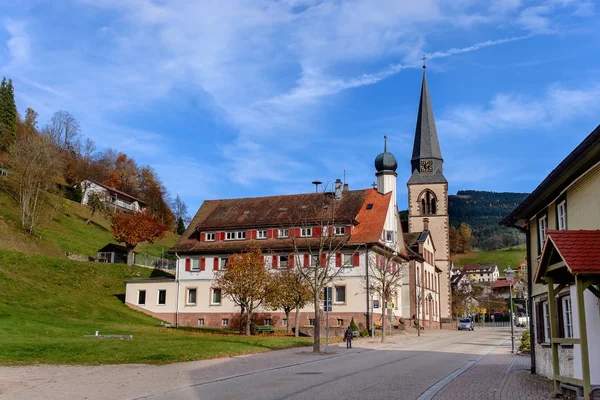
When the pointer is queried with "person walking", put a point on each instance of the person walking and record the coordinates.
(348, 338)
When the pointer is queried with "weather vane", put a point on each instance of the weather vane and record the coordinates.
(424, 58)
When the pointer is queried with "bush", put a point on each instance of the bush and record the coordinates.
(525, 341)
(353, 326)
(364, 332)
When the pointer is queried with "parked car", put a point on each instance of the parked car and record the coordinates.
(465, 324)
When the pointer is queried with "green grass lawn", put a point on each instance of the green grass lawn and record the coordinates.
(65, 231)
(504, 257)
(47, 305)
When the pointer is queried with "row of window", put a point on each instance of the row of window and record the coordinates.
(561, 222)
(283, 261)
(267, 322)
(565, 319)
(274, 233)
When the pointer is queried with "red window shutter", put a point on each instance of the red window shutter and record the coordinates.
(216, 264)
(355, 259)
(269, 233)
(291, 259)
(316, 231)
(275, 233)
(275, 262)
(338, 260)
(331, 230)
(249, 235)
(188, 264)
(348, 230)
(203, 237)
(306, 261)
(323, 259)
(202, 264)
(297, 232)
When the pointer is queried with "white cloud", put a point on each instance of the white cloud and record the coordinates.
(515, 112)
(18, 45)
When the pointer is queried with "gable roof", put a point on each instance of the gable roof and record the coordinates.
(365, 209)
(579, 249)
(581, 159)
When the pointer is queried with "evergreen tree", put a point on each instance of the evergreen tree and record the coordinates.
(180, 226)
(8, 115)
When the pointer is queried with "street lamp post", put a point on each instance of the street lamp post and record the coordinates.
(510, 277)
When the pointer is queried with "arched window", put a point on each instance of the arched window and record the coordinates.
(428, 203)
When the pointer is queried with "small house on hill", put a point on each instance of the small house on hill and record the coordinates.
(112, 253)
(482, 272)
(113, 198)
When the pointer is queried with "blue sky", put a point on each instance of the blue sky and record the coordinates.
(249, 98)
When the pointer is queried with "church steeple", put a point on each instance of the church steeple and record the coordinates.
(426, 161)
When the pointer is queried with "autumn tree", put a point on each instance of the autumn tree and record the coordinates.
(386, 273)
(36, 164)
(134, 228)
(8, 115)
(95, 203)
(246, 281)
(464, 237)
(289, 292)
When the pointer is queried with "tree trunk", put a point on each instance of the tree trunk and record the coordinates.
(317, 327)
(287, 318)
(383, 318)
(241, 318)
(129, 256)
(297, 322)
(248, 322)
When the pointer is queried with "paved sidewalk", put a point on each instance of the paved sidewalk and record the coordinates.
(499, 376)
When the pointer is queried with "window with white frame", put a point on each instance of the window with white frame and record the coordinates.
(311, 321)
(261, 234)
(314, 260)
(567, 318)
(200, 321)
(223, 262)
(284, 322)
(346, 260)
(224, 322)
(162, 297)
(543, 226)
(546, 322)
(216, 297)
(141, 297)
(230, 236)
(267, 321)
(210, 236)
(340, 294)
(240, 235)
(282, 233)
(340, 230)
(389, 236)
(562, 215)
(191, 296)
(340, 322)
(305, 232)
(283, 261)
(195, 264)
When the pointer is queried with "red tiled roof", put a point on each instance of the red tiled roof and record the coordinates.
(370, 222)
(499, 284)
(580, 250)
(471, 268)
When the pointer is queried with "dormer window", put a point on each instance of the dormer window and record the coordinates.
(340, 230)
(238, 235)
(306, 232)
(261, 234)
(282, 233)
(389, 236)
(210, 236)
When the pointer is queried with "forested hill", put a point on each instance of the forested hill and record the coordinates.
(483, 211)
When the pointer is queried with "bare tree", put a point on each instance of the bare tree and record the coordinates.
(317, 241)
(63, 130)
(35, 162)
(180, 210)
(386, 273)
(87, 150)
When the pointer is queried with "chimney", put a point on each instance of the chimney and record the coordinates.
(425, 224)
(338, 189)
(346, 187)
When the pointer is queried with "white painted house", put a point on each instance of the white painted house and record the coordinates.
(115, 199)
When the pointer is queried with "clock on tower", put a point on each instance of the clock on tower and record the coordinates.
(426, 166)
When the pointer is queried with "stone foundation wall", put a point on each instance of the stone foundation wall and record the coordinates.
(543, 360)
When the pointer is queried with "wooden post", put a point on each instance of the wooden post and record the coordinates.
(585, 358)
(553, 332)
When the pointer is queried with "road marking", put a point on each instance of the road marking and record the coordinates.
(433, 390)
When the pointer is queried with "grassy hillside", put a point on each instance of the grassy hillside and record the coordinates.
(503, 257)
(48, 304)
(63, 231)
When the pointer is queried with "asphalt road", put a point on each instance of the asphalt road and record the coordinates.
(404, 370)
(408, 367)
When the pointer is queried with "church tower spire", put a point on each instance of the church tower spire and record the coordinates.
(426, 162)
